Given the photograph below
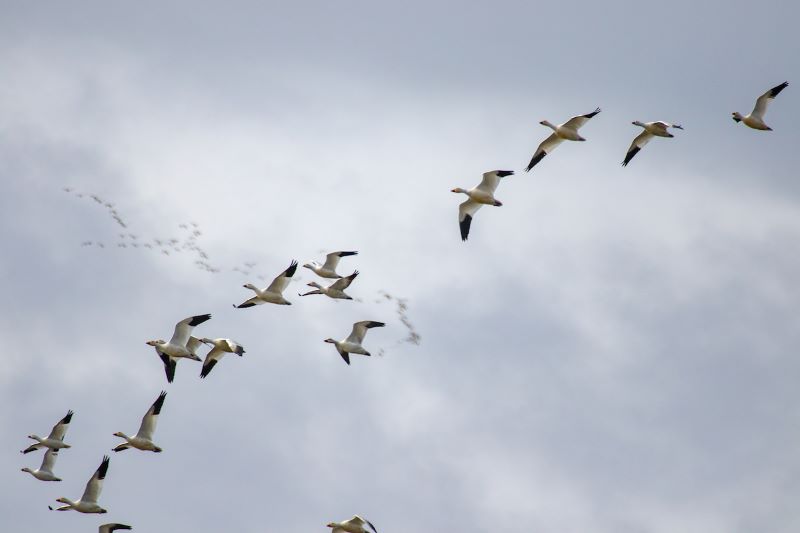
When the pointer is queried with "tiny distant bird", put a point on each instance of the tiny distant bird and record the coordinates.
(272, 294)
(55, 440)
(481, 194)
(45, 472)
(566, 131)
(335, 289)
(658, 129)
(220, 348)
(755, 119)
(143, 440)
(88, 502)
(352, 344)
(328, 269)
(354, 525)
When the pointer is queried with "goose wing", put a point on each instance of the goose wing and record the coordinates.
(342, 283)
(638, 143)
(466, 210)
(95, 484)
(360, 330)
(282, 281)
(49, 460)
(546, 146)
(576, 122)
(169, 365)
(183, 329)
(150, 418)
(60, 429)
(491, 180)
(763, 101)
(212, 358)
(193, 344)
(234, 347)
(345, 355)
(332, 259)
(110, 528)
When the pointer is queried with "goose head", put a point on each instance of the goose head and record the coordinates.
(156, 342)
(330, 340)
(28, 470)
(249, 286)
(459, 190)
(737, 116)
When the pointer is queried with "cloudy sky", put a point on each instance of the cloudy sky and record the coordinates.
(613, 351)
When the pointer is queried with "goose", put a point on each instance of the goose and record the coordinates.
(272, 294)
(566, 131)
(658, 129)
(88, 502)
(143, 440)
(220, 347)
(481, 194)
(352, 344)
(328, 269)
(755, 119)
(354, 525)
(335, 289)
(55, 440)
(45, 472)
(182, 344)
(110, 528)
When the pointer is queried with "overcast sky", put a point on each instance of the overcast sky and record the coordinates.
(614, 350)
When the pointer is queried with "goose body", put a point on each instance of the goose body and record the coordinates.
(45, 472)
(272, 294)
(480, 195)
(55, 440)
(334, 290)
(352, 344)
(181, 345)
(328, 269)
(220, 348)
(755, 119)
(353, 525)
(143, 440)
(110, 528)
(568, 131)
(651, 129)
(88, 502)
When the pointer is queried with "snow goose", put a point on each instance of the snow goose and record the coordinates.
(354, 525)
(53, 441)
(352, 344)
(651, 129)
(755, 119)
(220, 347)
(481, 194)
(335, 289)
(45, 472)
(182, 344)
(272, 294)
(110, 528)
(328, 269)
(88, 502)
(143, 440)
(566, 131)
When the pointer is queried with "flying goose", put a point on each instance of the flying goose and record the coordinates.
(220, 347)
(182, 344)
(53, 441)
(45, 472)
(566, 131)
(110, 528)
(352, 344)
(354, 525)
(335, 289)
(755, 119)
(272, 294)
(658, 129)
(481, 194)
(328, 270)
(143, 440)
(88, 502)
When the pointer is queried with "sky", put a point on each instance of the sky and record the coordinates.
(613, 350)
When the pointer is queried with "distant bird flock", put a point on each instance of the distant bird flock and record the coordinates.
(183, 345)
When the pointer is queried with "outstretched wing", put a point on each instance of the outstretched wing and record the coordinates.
(546, 146)
(110, 528)
(345, 355)
(763, 101)
(466, 210)
(282, 281)
(95, 484)
(360, 330)
(491, 180)
(580, 120)
(150, 418)
(60, 429)
(212, 358)
(183, 329)
(637, 144)
(332, 259)
(49, 460)
(169, 365)
(342, 283)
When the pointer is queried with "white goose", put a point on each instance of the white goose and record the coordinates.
(220, 348)
(352, 344)
(143, 440)
(88, 502)
(354, 525)
(566, 131)
(110, 528)
(755, 119)
(481, 194)
(272, 294)
(335, 289)
(651, 129)
(182, 344)
(55, 440)
(328, 269)
(45, 472)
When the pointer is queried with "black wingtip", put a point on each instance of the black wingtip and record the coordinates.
(464, 226)
(244, 305)
(630, 155)
(504, 173)
(68, 418)
(199, 319)
(777, 89)
(159, 403)
(534, 160)
(345, 254)
(101, 472)
(593, 113)
(289, 272)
